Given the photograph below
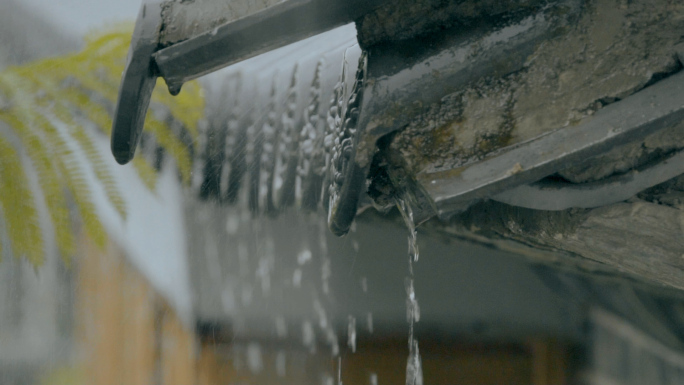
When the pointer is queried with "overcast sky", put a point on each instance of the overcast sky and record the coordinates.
(78, 17)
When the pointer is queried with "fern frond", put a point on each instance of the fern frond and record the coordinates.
(78, 187)
(50, 184)
(94, 157)
(146, 172)
(61, 112)
(48, 104)
(20, 214)
(69, 166)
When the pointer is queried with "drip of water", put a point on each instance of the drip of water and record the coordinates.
(331, 338)
(297, 278)
(281, 327)
(351, 334)
(327, 329)
(281, 363)
(407, 213)
(254, 359)
(304, 256)
(311, 166)
(261, 149)
(412, 307)
(374, 379)
(309, 336)
(414, 370)
(287, 149)
(414, 367)
(327, 379)
(339, 371)
(266, 266)
(326, 269)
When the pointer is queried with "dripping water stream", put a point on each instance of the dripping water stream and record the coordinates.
(414, 371)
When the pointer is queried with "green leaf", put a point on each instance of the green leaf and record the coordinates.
(47, 105)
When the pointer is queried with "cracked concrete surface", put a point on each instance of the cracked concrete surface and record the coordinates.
(187, 18)
(615, 49)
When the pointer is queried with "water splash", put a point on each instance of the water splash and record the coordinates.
(333, 131)
(287, 149)
(311, 168)
(266, 130)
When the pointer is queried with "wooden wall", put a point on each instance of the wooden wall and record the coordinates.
(127, 334)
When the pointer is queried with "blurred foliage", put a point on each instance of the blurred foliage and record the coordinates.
(50, 114)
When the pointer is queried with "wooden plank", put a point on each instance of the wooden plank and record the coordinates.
(138, 335)
(126, 333)
(99, 304)
(549, 362)
(177, 358)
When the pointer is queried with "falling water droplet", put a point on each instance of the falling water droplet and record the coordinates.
(369, 322)
(414, 367)
(232, 224)
(311, 166)
(297, 278)
(175, 89)
(280, 363)
(327, 379)
(228, 300)
(339, 371)
(412, 307)
(373, 379)
(351, 333)
(287, 149)
(308, 336)
(281, 327)
(414, 371)
(325, 275)
(304, 256)
(254, 359)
